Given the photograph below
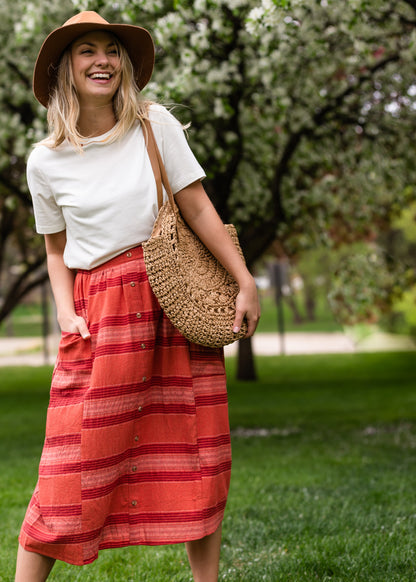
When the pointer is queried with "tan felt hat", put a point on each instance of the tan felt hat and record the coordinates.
(136, 40)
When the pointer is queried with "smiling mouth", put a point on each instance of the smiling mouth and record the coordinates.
(105, 76)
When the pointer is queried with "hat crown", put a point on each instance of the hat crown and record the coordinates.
(87, 16)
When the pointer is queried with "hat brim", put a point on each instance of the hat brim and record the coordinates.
(136, 40)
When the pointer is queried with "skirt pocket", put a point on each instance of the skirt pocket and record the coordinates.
(59, 498)
(60, 465)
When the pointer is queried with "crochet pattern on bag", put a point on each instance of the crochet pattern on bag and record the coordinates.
(180, 266)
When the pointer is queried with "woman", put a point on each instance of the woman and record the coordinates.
(137, 447)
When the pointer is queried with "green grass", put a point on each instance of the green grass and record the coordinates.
(24, 321)
(324, 322)
(327, 493)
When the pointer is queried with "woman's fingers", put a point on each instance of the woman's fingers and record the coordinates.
(76, 324)
(83, 329)
(249, 309)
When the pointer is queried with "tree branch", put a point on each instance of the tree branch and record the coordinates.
(411, 3)
(257, 239)
(22, 286)
(20, 194)
(25, 80)
(321, 116)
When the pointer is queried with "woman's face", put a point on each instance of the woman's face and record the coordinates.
(96, 68)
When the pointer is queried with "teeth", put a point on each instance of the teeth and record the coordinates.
(100, 76)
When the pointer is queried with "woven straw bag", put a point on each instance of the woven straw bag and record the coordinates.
(194, 290)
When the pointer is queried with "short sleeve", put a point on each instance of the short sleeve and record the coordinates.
(182, 168)
(48, 214)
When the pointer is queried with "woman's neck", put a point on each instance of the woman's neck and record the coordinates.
(95, 121)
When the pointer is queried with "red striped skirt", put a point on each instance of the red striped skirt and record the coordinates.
(137, 448)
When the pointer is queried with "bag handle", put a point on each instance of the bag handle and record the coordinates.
(158, 168)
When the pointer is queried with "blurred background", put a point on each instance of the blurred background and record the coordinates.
(303, 115)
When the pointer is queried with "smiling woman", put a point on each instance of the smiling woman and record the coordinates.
(137, 448)
(96, 72)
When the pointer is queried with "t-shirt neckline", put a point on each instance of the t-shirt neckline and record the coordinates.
(97, 139)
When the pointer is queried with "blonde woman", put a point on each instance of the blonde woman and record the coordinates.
(137, 447)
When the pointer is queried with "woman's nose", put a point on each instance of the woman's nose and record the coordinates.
(101, 58)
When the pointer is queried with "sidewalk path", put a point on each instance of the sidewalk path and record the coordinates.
(293, 343)
(25, 351)
(30, 351)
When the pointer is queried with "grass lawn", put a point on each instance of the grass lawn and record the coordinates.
(325, 320)
(323, 485)
(24, 321)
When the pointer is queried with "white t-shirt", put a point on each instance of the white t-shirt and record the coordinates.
(106, 196)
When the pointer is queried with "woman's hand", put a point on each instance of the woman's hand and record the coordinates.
(74, 324)
(247, 306)
(62, 281)
(201, 216)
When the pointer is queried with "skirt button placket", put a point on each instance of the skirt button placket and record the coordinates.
(139, 408)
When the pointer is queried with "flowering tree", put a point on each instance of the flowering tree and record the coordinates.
(303, 115)
(22, 255)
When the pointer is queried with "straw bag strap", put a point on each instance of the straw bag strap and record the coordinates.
(150, 145)
(158, 168)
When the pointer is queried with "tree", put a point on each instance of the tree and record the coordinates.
(22, 254)
(302, 111)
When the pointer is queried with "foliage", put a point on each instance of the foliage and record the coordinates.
(401, 245)
(22, 26)
(302, 112)
(405, 311)
(364, 287)
(406, 223)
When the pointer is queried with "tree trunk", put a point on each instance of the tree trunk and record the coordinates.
(291, 302)
(246, 369)
(310, 302)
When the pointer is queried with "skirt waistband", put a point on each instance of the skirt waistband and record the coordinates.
(127, 256)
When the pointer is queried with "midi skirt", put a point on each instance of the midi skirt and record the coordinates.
(137, 447)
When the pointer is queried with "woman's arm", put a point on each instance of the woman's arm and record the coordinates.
(201, 216)
(62, 282)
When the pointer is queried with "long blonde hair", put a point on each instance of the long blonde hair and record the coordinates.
(64, 110)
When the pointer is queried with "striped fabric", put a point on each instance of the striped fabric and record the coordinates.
(137, 447)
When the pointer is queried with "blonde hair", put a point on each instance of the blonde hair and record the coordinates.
(64, 110)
